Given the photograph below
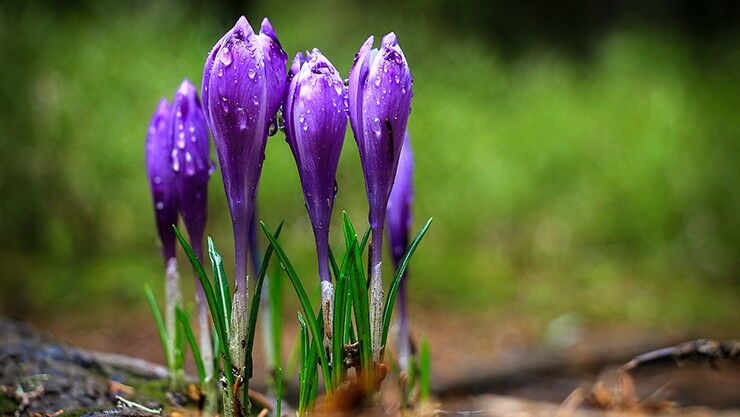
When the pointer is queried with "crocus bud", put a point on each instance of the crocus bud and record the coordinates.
(191, 161)
(399, 224)
(315, 125)
(243, 87)
(379, 107)
(399, 204)
(161, 176)
(164, 193)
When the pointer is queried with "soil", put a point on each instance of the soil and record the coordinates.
(579, 380)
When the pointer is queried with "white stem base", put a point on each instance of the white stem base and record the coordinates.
(377, 295)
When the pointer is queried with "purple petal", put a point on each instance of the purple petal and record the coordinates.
(191, 160)
(316, 122)
(244, 85)
(357, 78)
(398, 215)
(379, 115)
(161, 177)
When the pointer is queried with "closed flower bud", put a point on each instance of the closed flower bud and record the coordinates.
(243, 87)
(399, 204)
(191, 161)
(399, 224)
(379, 107)
(315, 125)
(161, 176)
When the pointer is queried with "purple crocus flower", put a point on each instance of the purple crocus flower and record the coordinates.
(164, 193)
(161, 176)
(399, 223)
(191, 162)
(243, 87)
(315, 125)
(379, 107)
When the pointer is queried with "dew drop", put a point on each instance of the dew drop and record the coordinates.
(272, 129)
(377, 81)
(242, 116)
(225, 56)
(160, 205)
(251, 73)
(375, 126)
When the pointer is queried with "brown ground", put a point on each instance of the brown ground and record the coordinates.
(471, 356)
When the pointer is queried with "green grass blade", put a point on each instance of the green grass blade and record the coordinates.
(360, 301)
(305, 303)
(275, 293)
(393, 291)
(188, 331)
(254, 309)
(364, 240)
(303, 387)
(213, 303)
(221, 285)
(425, 373)
(334, 267)
(159, 321)
(338, 325)
(279, 392)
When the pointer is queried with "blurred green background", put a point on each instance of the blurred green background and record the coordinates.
(577, 159)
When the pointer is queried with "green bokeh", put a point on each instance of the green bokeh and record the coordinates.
(605, 186)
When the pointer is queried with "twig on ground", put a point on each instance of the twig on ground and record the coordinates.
(698, 350)
(24, 397)
(122, 402)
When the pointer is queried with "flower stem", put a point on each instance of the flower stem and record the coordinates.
(240, 306)
(376, 291)
(204, 339)
(173, 297)
(404, 341)
(327, 287)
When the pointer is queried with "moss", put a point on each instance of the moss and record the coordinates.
(81, 412)
(151, 390)
(7, 405)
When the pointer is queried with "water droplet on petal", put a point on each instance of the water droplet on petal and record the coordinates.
(375, 126)
(251, 73)
(160, 205)
(242, 116)
(225, 56)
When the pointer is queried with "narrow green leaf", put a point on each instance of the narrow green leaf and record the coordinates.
(161, 329)
(221, 285)
(188, 330)
(275, 293)
(179, 347)
(303, 388)
(360, 301)
(338, 324)
(254, 308)
(425, 371)
(279, 392)
(364, 240)
(393, 291)
(305, 303)
(213, 304)
(333, 263)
